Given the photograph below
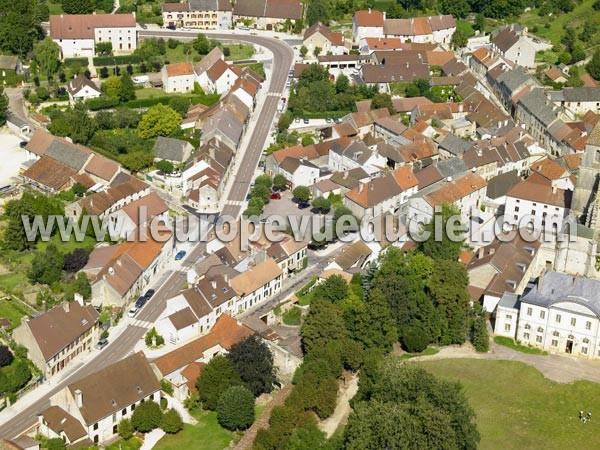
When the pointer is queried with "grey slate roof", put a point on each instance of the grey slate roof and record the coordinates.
(451, 167)
(536, 103)
(581, 94)
(210, 5)
(170, 149)
(499, 185)
(559, 287)
(67, 154)
(8, 62)
(454, 145)
(509, 300)
(515, 79)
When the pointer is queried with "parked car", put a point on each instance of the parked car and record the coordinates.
(303, 205)
(297, 120)
(141, 301)
(328, 119)
(101, 344)
(144, 26)
(133, 311)
(336, 120)
(248, 196)
(306, 121)
(180, 255)
(149, 293)
(186, 29)
(275, 196)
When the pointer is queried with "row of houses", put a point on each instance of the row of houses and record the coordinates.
(222, 14)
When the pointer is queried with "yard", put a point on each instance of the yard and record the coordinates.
(239, 52)
(13, 310)
(206, 435)
(517, 408)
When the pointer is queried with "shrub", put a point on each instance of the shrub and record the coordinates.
(152, 336)
(166, 387)
(235, 410)
(6, 356)
(70, 62)
(171, 422)
(104, 102)
(415, 340)
(125, 429)
(55, 444)
(116, 60)
(146, 417)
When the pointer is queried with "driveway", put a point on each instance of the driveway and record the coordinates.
(12, 156)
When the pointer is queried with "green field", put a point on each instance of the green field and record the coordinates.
(510, 343)
(206, 435)
(13, 310)
(517, 408)
(239, 52)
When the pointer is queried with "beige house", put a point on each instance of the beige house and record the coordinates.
(322, 37)
(59, 336)
(178, 77)
(205, 14)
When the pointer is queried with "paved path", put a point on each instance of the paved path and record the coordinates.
(152, 438)
(559, 368)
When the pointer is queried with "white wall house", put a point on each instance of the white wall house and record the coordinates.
(178, 77)
(299, 172)
(367, 23)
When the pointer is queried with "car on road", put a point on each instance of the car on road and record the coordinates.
(23, 144)
(149, 293)
(171, 27)
(328, 119)
(144, 27)
(101, 344)
(132, 311)
(306, 121)
(141, 301)
(336, 120)
(275, 196)
(248, 196)
(180, 255)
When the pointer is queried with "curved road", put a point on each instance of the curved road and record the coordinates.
(122, 345)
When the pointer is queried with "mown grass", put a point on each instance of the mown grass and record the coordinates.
(517, 408)
(510, 343)
(427, 352)
(207, 434)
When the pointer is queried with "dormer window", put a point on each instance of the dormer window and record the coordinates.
(138, 389)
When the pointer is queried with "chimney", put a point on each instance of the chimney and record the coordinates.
(384, 15)
(79, 398)
(213, 283)
(360, 187)
(369, 10)
(481, 252)
(66, 306)
(226, 278)
(554, 189)
(44, 306)
(345, 174)
(541, 280)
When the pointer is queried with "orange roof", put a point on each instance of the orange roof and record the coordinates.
(573, 160)
(451, 192)
(191, 374)
(369, 18)
(439, 58)
(180, 69)
(405, 178)
(297, 151)
(384, 43)
(465, 257)
(421, 26)
(588, 81)
(549, 169)
(541, 193)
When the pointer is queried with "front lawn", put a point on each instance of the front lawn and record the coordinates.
(239, 52)
(508, 342)
(132, 444)
(293, 316)
(517, 408)
(206, 435)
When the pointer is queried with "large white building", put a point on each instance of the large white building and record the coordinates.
(559, 313)
(78, 34)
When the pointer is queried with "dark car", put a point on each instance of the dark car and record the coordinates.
(141, 301)
(149, 293)
(101, 344)
(306, 121)
(328, 119)
(144, 27)
(23, 144)
(303, 205)
(275, 196)
(171, 27)
(180, 255)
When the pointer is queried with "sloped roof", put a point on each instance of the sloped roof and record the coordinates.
(50, 173)
(79, 82)
(82, 26)
(541, 193)
(59, 420)
(352, 254)
(455, 190)
(369, 18)
(255, 278)
(179, 69)
(170, 149)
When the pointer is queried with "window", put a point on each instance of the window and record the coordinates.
(95, 426)
(507, 327)
(542, 314)
(586, 341)
(529, 311)
(588, 325)
(556, 334)
(527, 326)
(509, 316)
(538, 339)
(526, 336)
(573, 322)
(540, 330)
(557, 318)
(584, 350)
(554, 343)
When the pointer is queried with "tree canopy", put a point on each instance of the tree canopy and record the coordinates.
(216, 377)
(146, 417)
(159, 120)
(253, 362)
(235, 410)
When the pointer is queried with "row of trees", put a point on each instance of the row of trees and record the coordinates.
(229, 384)
(149, 416)
(261, 192)
(15, 370)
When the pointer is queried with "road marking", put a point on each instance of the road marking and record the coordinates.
(140, 323)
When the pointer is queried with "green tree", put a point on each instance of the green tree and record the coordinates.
(137, 161)
(235, 410)
(574, 78)
(46, 53)
(20, 25)
(146, 417)
(415, 339)
(479, 333)
(321, 204)
(372, 323)
(318, 11)
(317, 51)
(324, 323)
(171, 422)
(104, 48)
(46, 267)
(280, 182)
(480, 22)
(202, 44)
(3, 107)
(303, 51)
(253, 362)
(565, 58)
(216, 377)
(301, 193)
(180, 104)
(284, 122)
(165, 166)
(125, 429)
(127, 91)
(264, 180)
(55, 444)
(459, 39)
(112, 86)
(334, 289)
(458, 8)
(442, 244)
(308, 436)
(342, 84)
(78, 6)
(593, 67)
(261, 191)
(383, 100)
(159, 120)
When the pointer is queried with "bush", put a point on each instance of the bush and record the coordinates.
(152, 336)
(166, 387)
(226, 51)
(171, 422)
(116, 60)
(6, 356)
(55, 444)
(125, 429)
(70, 62)
(146, 417)
(104, 102)
(208, 100)
(415, 340)
(235, 410)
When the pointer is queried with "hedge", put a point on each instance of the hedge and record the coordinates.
(208, 100)
(323, 115)
(104, 102)
(116, 60)
(84, 62)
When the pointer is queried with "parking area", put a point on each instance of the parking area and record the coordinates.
(12, 156)
(285, 207)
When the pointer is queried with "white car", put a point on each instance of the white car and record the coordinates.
(185, 29)
(133, 311)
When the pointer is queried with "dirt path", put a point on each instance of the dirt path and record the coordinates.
(342, 410)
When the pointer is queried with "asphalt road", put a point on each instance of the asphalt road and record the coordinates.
(124, 344)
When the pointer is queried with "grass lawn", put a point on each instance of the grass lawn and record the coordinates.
(68, 246)
(259, 68)
(54, 8)
(175, 55)
(517, 408)
(465, 27)
(427, 352)
(508, 342)
(206, 435)
(149, 93)
(11, 281)
(239, 52)
(13, 310)
(132, 444)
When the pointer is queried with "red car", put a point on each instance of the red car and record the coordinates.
(275, 196)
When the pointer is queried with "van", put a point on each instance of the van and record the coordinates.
(141, 79)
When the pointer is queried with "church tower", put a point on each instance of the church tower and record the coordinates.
(586, 200)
